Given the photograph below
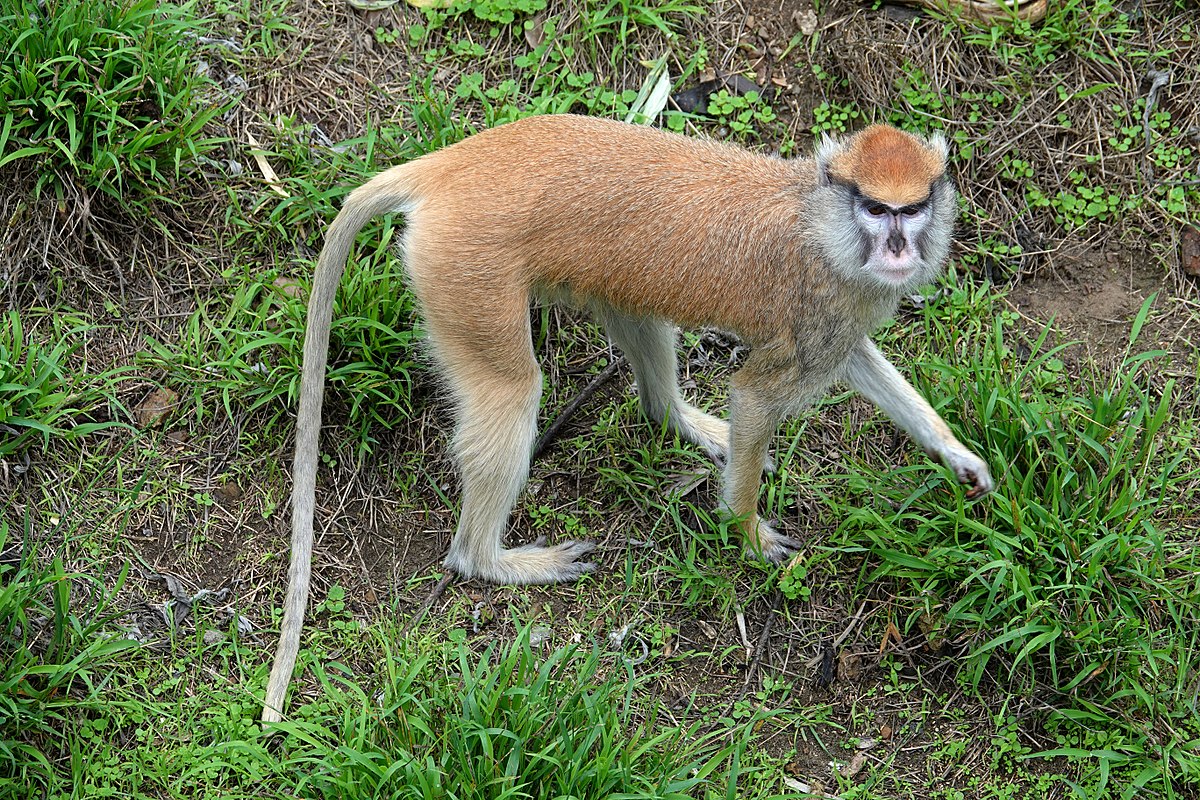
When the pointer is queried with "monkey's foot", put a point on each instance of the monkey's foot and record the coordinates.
(710, 434)
(770, 545)
(531, 563)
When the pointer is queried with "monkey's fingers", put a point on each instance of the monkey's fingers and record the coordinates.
(979, 481)
(977, 490)
(971, 470)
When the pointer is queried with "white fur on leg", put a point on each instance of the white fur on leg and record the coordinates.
(495, 433)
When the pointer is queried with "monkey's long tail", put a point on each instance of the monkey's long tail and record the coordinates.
(385, 192)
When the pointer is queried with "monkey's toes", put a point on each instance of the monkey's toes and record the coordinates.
(558, 563)
(770, 545)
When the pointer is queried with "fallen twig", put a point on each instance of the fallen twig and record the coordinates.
(434, 594)
(573, 406)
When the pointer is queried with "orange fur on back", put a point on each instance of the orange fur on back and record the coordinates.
(609, 216)
(889, 166)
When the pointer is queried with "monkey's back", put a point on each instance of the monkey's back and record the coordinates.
(597, 208)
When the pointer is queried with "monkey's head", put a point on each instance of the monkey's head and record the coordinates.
(885, 207)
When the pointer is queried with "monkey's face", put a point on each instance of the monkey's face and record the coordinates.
(884, 207)
(905, 245)
(883, 245)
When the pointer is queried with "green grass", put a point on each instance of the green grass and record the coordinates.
(51, 660)
(103, 95)
(43, 393)
(242, 354)
(1067, 582)
(436, 720)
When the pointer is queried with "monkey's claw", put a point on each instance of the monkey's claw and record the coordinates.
(972, 471)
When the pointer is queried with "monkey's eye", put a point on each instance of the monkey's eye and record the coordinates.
(877, 209)
(911, 211)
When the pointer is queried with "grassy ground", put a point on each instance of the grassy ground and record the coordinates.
(168, 176)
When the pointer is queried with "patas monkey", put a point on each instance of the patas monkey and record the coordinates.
(801, 259)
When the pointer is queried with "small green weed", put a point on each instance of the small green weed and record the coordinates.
(744, 115)
(834, 118)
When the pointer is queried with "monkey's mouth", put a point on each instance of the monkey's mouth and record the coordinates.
(896, 275)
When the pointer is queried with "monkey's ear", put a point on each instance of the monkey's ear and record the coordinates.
(937, 142)
(826, 150)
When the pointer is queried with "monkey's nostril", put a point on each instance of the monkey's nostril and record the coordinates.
(896, 242)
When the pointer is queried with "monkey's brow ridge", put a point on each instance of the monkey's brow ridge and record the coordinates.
(865, 198)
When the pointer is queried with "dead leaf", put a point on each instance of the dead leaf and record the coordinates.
(652, 97)
(855, 766)
(1191, 251)
(264, 166)
(933, 629)
(805, 21)
(289, 287)
(229, 492)
(892, 633)
(849, 666)
(814, 789)
(150, 412)
(535, 31)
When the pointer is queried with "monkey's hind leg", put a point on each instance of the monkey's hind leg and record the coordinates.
(757, 403)
(497, 386)
(649, 344)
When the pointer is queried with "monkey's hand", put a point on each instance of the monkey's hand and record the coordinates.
(971, 470)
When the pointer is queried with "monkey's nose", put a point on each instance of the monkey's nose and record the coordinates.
(895, 242)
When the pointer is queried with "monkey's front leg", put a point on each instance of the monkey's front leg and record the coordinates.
(755, 410)
(869, 372)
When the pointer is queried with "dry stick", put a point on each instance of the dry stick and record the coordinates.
(759, 648)
(573, 406)
(429, 601)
